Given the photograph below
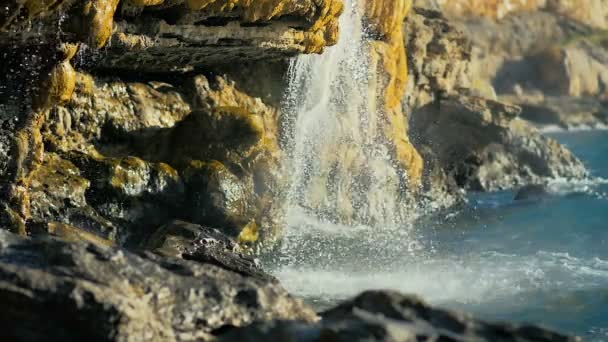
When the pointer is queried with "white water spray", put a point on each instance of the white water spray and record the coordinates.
(340, 169)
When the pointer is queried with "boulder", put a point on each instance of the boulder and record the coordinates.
(391, 316)
(56, 291)
(203, 244)
(485, 146)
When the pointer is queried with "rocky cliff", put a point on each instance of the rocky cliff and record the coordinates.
(547, 56)
(141, 151)
(470, 138)
(120, 115)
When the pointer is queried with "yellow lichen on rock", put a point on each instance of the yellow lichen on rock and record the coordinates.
(250, 233)
(59, 86)
(323, 14)
(144, 3)
(388, 56)
(98, 21)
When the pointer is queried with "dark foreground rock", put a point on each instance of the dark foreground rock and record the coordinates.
(390, 316)
(52, 290)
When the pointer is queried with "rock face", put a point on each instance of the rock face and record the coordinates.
(388, 57)
(390, 316)
(71, 291)
(484, 146)
(124, 156)
(467, 138)
(119, 116)
(592, 12)
(539, 54)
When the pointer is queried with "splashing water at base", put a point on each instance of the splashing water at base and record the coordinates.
(543, 261)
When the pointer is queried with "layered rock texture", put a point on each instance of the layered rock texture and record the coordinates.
(118, 116)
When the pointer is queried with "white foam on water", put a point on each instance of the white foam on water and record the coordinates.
(468, 279)
(547, 129)
(588, 186)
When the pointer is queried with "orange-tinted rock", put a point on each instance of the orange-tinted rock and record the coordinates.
(390, 60)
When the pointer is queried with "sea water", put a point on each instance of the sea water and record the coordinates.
(542, 261)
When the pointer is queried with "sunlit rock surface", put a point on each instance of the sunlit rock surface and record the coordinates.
(591, 12)
(388, 58)
(84, 106)
(536, 54)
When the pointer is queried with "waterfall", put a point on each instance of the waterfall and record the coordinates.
(340, 169)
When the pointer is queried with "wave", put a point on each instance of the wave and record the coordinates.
(547, 129)
(588, 186)
(471, 279)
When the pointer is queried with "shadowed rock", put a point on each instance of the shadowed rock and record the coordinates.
(391, 316)
(57, 291)
(205, 245)
(484, 146)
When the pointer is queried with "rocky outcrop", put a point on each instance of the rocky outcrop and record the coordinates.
(53, 290)
(530, 52)
(122, 157)
(484, 146)
(592, 12)
(390, 316)
(181, 35)
(467, 138)
(95, 95)
(439, 57)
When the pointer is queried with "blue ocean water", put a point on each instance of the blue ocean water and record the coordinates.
(542, 261)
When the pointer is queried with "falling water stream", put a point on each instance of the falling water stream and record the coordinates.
(340, 170)
(349, 229)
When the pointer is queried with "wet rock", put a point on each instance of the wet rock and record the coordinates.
(391, 316)
(484, 146)
(218, 196)
(55, 290)
(148, 152)
(203, 244)
(58, 196)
